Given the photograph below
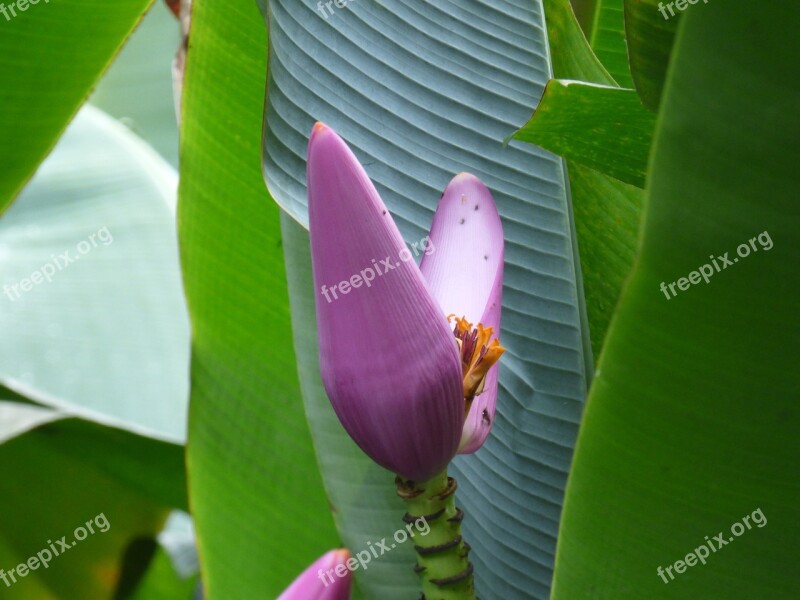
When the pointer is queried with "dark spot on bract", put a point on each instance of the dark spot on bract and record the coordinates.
(476, 207)
(485, 257)
(486, 418)
(462, 221)
(384, 212)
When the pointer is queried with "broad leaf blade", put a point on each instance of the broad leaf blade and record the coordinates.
(257, 497)
(650, 39)
(607, 220)
(585, 13)
(608, 40)
(606, 210)
(152, 468)
(691, 423)
(421, 94)
(601, 127)
(52, 485)
(61, 469)
(105, 335)
(50, 56)
(148, 467)
(570, 53)
(161, 582)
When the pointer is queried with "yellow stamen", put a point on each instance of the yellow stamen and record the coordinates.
(479, 352)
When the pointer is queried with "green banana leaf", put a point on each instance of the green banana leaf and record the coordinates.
(52, 54)
(609, 42)
(256, 493)
(601, 127)
(606, 210)
(570, 53)
(691, 422)
(650, 38)
(162, 582)
(53, 483)
(147, 466)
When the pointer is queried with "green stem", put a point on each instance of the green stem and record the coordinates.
(442, 562)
